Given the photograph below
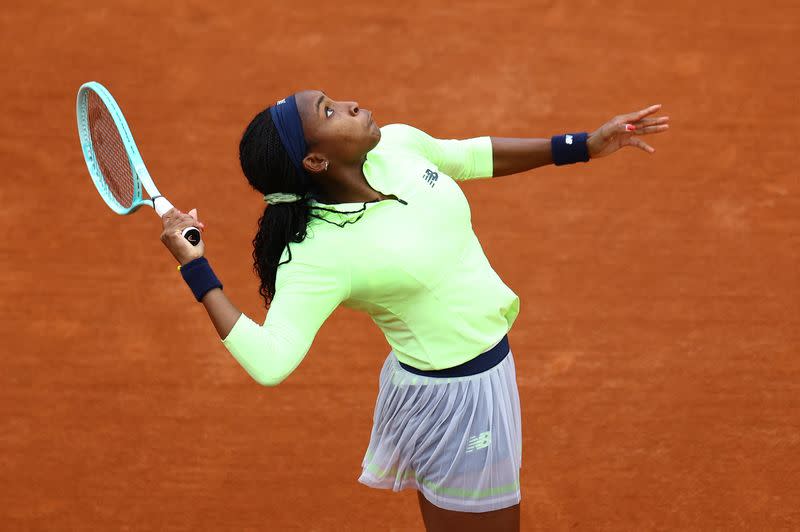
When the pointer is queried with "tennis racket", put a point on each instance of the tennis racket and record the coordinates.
(113, 159)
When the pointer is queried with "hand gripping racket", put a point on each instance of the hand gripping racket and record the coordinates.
(113, 160)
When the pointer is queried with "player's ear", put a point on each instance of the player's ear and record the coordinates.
(315, 163)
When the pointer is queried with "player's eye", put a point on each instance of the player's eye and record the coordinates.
(327, 109)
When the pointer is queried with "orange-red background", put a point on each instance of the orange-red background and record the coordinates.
(658, 342)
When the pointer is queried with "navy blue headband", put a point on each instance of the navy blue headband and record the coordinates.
(287, 119)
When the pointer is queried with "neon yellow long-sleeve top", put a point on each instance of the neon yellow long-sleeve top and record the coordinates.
(416, 268)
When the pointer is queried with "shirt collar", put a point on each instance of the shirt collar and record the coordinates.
(339, 213)
(341, 207)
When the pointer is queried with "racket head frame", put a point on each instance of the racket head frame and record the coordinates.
(141, 177)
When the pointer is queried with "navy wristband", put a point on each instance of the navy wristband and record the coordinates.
(200, 277)
(570, 148)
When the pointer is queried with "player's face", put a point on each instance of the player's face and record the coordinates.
(339, 131)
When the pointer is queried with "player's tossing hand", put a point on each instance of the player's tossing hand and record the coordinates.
(174, 222)
(626, 130)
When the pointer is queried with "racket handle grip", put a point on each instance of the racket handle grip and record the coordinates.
(162, 205)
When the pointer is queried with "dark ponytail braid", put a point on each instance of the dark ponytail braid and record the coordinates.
(268, 169)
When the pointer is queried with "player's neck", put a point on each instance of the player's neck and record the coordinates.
(345, 185)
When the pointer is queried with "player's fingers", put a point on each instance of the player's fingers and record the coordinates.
(198, 223)
(649, 130)
(170, 218)
(170, 214)
(639, 143)
(186, 221)
(177, 222)
(638, 115)
(652, 121)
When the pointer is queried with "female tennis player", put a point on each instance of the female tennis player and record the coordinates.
(371, 218)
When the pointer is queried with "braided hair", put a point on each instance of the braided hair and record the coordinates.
(267, 167)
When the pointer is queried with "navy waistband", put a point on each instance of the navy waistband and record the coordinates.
(479, 364)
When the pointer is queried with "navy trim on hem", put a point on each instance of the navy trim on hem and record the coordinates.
(479, 364)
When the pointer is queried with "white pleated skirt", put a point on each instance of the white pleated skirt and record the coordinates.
(457, 440)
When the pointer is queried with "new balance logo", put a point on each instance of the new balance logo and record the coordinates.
(481, 441)
(431, 177)
(568, 139)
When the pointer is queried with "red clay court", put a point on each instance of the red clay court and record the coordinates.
(658, 345)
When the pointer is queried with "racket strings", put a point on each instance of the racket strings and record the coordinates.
(109, 151)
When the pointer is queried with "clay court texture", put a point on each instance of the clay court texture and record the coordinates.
(658, 345)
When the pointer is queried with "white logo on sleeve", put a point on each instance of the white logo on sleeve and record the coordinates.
(568, 139)
(481, 441)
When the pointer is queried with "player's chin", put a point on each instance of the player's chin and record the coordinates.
(374, 139)
(374, 131)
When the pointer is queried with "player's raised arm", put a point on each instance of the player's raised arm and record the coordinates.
(201, 279)
(513, 155)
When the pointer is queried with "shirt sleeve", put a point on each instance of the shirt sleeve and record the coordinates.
(460, 159)
(305, 295)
